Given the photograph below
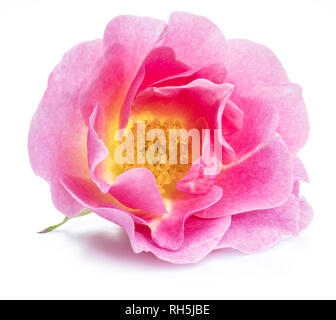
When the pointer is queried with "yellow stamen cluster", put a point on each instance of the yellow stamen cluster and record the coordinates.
(165, 173)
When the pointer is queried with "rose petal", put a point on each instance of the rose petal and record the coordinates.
(57, 133)
(197, 180)
(137, 189)
(195, 39)
(214, 72)
(203, 173)
(293, 123)
(127, 41)
(262, 181)
(159, 64)
(97, 152)
(249, 64)
(232, 118)
(258, 230)
(300, 172)
(89, 196)
(259, 125)
(169, 232)
(200, 236)
(206, 99)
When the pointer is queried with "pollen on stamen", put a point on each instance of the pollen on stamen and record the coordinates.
(159, 162)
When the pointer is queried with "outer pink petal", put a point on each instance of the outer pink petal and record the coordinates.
(89, 196)
(169, 233)
(300, 172)
(138, 35)
(137, 189)
(195, 39)
(127, 41)
(57, 136)
(63, 201)
(306, 214)
(262, 181)
(200, 236)
(258, 230)
(249, 64)
(293, 123)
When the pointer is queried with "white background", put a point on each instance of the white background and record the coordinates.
(91, 258)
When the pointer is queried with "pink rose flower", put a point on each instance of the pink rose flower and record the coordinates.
(181, 74)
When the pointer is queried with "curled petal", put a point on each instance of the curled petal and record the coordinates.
(169, 231)
(262, 181)
(214, 72)
(200, 236)
(159, 64)
(137, 189)
(97, 152)
(203, 173)
(89, 196)
(197, 180)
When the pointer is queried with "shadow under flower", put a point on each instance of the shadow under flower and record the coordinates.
(115, 246)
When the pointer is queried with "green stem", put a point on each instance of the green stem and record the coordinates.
(66, 219)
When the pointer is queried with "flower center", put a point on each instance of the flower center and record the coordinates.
(159, 146)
